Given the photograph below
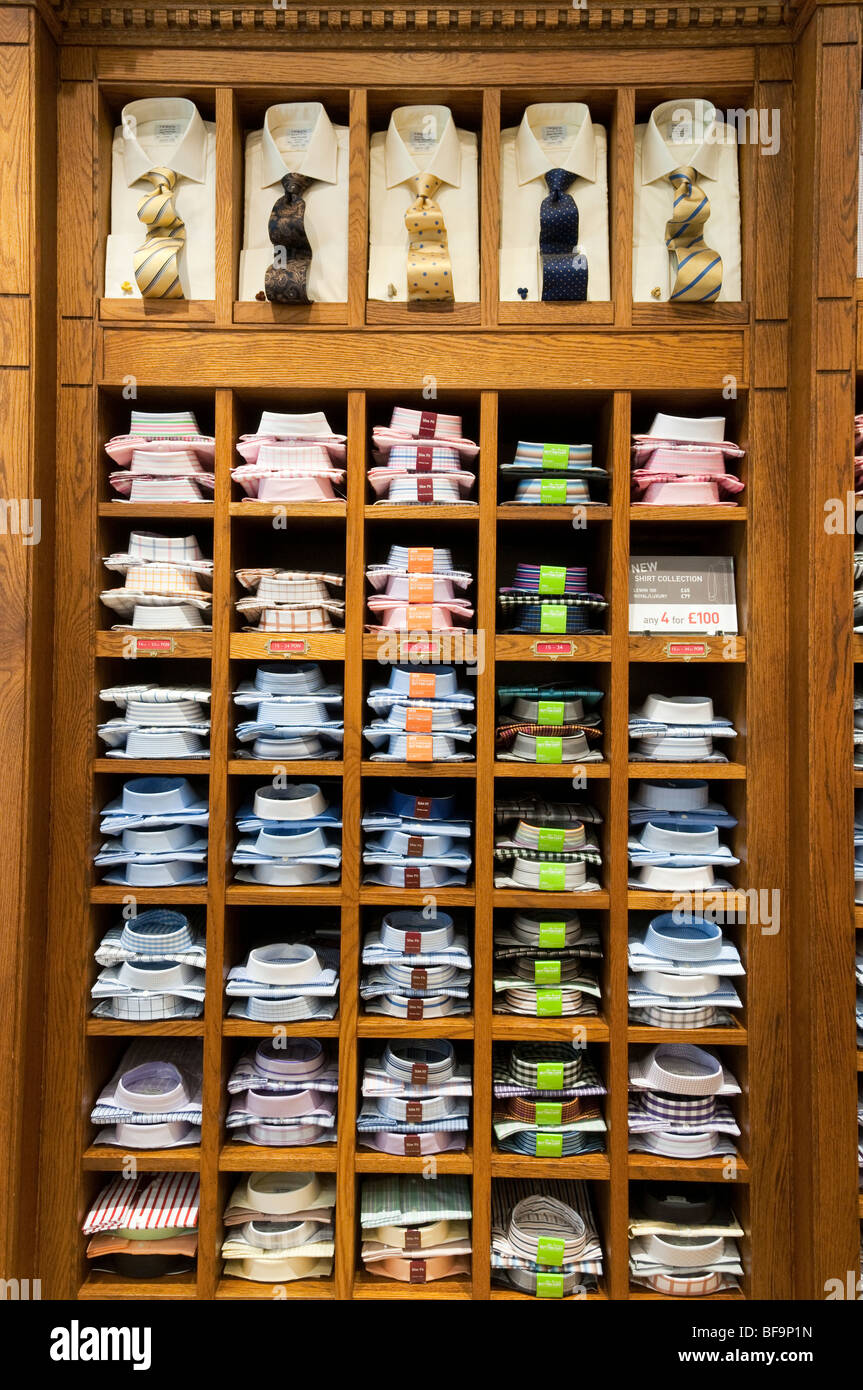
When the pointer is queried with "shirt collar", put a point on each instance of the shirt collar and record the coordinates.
(445, 163)
(188, 157)
(660, 153)
(318, 161)
(579, 157)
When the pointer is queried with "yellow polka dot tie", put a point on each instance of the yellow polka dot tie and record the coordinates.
(429, 265)
(155, 262)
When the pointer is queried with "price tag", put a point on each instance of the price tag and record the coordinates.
(549, 711)
(549, 750)
(552, 934)
(420, 748)
(546, 972)
(421, 559)
(555, 455)
(418, 721)
(551, 837)
(552, 877)
(548, 1112)
(553, 492)
(549, 1146)
(549, 1003)
(281, 646)
(549, 1076)
(420, 588)
(421, 686)
(549, 1286)
(552, 617)
(549, 1250)
(552, 579)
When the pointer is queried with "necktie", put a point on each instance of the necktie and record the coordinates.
(698, 269)
(564, 273)
(155, 263)
(429, 265)
(286, 280)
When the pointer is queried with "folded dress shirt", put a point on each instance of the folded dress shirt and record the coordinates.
(144, 1227)
(416, 966)
(423, 849)
(284, 1095)
(290, 600)
(295, 715)
(552, 475)
(678, 728)
(402, 1113)
(683, 1245)
(166, 585)
(674, 1104)
(280, 1227)
(158, 829)
(415, 1231)
(420, 459)
(543, 1237)
(295, 837)
(680, 462)
(157, 722)
(680, 974)
(545, 846)
(548, 1116)
(153, 1100)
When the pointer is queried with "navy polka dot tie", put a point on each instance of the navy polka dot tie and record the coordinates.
(564, 269)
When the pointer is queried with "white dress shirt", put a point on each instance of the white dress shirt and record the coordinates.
(298, 138)
(165, 131)
(422, 139)
(680, 132)
(557, 135)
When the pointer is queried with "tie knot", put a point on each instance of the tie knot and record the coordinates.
(295, 185)
(161, 177)
(685, 174)
(426, 185)
(558, 181)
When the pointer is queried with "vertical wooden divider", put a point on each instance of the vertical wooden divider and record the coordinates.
(219, 844)
(350, 944)
(229, 203)
(617, 867)
(358, 215)
(621, 168)
(489, 207)
(484, 841)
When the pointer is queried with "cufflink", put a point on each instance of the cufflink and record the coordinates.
(391, 291)
(126, 287)
(523, 293)
(656, 292)
(260, 295)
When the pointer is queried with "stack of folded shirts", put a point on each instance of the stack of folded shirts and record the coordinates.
(290, 600)
(422, 844)
(545, 1101)
(295, 714)
(284, 1095)
(858, 591)
(858, 727)
(418, 590)
(163, 458)
(291, 458)
(145, 1227)
(287, 982)
(678, 728)
(548, 724)
(551, 599)
(858, 453)
(419, 717)
(551, 474)
(280, 1227)
(294, 837)
(416, 1100)
(674, 842)
(860, 1134)
(166, 587)
(539, 969)
(545, 845)
(680, 462)
(543, 1237)
(421, 458)
(419, 966)
(157, 721)
(680, 969)
(414, 1230)
(674, 1103)
(153, 1100)
(159, 830)
(683, 1241)
(153, 967)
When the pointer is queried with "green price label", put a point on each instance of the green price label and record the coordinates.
(552, 618)
(552, 578)
(548, 1112)
(549, 750)
(549, 1146)
(552, 878)
(553, 492)
(555, 455)
(552, 934)
(549, 1250)
(549, 1077)
(549, 711)
(550, 837)
(549, 1286)
(546, 972)
(549, 1003)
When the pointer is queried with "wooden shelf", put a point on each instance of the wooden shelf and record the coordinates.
(464, 771)
(656, 1168)
(154, 767)
(176, 644)
(158, 511)
(589, 1167)
(269, 646)
(151, 897)
(367, 1161)
(597, 771)
(291, 511)
(382, 1026)
(434, 512)
(524, 512)
(305, 768)
(304, 1028)
(133, 1028)
(523, 1027)
(367, 1286)
(249, 1158)
(716, 515)
(102, 1286)
(248, 1289)
(716, 772)
(104, 1158)
(686, 649)
(547, 646)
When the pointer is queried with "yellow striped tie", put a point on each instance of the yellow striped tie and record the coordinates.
(698, 269)
(429, 265)
(156, 261)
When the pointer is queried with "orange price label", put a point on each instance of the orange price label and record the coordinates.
(420, 617)
(418, 721)
(419, 748)
(421, 559)
(420, 589)
(421, 686)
